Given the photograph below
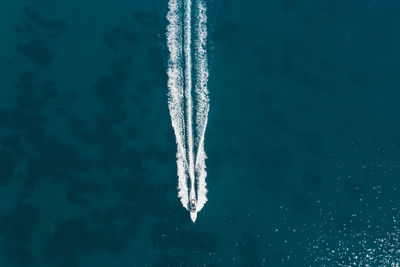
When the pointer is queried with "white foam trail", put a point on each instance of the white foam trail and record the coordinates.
(175, 94)
(202, 101)
(191, 164)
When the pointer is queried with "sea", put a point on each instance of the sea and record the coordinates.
(302, 140)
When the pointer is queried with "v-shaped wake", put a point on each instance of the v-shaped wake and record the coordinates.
(188, 68)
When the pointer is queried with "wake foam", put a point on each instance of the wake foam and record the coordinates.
(190, 144)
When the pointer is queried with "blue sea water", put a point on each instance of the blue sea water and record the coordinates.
(303, 139)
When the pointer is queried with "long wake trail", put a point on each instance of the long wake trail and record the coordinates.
(188, 68)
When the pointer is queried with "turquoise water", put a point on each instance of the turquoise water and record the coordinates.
(302, 139)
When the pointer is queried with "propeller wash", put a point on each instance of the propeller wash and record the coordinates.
(188, 99)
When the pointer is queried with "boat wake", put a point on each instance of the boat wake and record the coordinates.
(188, 69)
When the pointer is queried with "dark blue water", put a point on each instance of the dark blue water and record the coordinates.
(303, 139)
